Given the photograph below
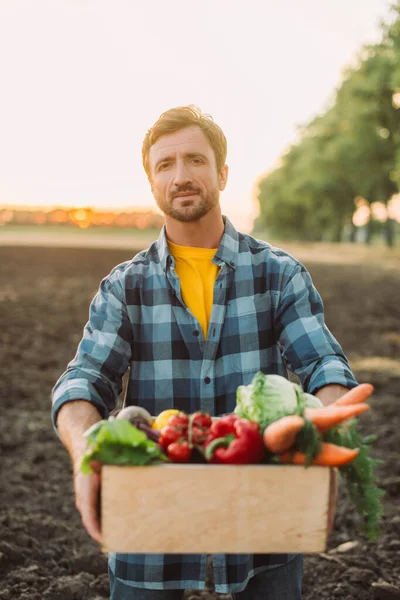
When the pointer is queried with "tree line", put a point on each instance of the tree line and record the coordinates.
(80, 217)
(345, 157)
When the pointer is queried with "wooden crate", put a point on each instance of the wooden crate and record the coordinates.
(198, 508)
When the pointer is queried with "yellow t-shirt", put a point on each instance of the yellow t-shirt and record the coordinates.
(197, 274)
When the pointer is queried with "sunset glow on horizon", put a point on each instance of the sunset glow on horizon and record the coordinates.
(83, 82)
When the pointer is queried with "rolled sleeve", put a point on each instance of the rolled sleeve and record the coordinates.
(103, 355)
(308, 347)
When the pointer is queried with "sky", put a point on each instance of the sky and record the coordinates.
(82, 82)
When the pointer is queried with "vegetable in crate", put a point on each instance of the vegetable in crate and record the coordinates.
(134, 414)
(269, 397)
(329, 455)
(234, 441)
(139, 417)
(173, 438)
(117, 442)
(326, 417)
(281, 435)
(162, 419)
(329, 437)
(183, 434)
(359, 476)
(310, 442)
(180, 451)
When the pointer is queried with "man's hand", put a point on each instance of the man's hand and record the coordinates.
(330, 393)
(87, 500)
(74, 418)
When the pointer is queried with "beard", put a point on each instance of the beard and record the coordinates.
(188, 210)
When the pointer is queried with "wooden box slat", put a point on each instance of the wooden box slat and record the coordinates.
(217, 508)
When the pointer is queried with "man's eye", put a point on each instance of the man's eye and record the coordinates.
(197, 161)
(163, 166)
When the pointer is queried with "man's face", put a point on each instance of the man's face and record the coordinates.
(183, 174)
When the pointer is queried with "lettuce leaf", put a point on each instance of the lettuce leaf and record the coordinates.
(118, 442)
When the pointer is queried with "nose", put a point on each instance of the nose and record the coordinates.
(182, 175)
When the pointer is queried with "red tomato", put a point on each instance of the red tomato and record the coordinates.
(180, 421)
(168, 435)
(201, 419)
(198, 436)
(179, 452)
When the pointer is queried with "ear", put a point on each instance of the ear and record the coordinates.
(223, 178)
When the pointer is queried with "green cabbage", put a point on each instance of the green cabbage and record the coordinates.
(270, 397)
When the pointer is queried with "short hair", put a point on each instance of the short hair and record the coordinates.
(178, 118)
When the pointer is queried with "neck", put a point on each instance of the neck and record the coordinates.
(207, 232)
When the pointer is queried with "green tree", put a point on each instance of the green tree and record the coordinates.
(351, 150)
(364, 104)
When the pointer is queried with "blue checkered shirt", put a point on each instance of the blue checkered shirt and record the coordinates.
(266, 316)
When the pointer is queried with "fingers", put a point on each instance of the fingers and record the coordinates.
(87, 493)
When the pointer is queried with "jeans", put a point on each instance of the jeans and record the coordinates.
(283, 582)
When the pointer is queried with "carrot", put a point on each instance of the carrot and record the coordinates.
(329, 456)
(281, 434)
(356, 395)
(326, 417)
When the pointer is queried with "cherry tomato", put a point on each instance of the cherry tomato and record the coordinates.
(198, 436)
(179, 421)
(179, 451)
(201, 419)
(168, 435)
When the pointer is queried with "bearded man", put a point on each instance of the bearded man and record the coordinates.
(193, 317)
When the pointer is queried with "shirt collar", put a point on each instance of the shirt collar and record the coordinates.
(163, 250)
(229, 246)
(227, 251)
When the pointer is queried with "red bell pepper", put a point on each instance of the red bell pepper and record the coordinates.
(234, 441)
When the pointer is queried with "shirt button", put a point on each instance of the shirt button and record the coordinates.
(207, 380)
(196, 332)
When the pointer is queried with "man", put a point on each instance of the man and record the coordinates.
(193, 317)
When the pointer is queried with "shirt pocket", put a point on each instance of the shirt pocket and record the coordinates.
(248, 331)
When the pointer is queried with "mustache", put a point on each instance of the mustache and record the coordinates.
(184, 189)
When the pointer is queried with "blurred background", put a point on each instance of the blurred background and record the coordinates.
(308, 95)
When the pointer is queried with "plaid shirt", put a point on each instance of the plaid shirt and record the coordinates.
(266, 316)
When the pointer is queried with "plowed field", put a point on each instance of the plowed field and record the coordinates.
(45, 553)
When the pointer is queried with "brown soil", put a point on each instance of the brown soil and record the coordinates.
(45, 553)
